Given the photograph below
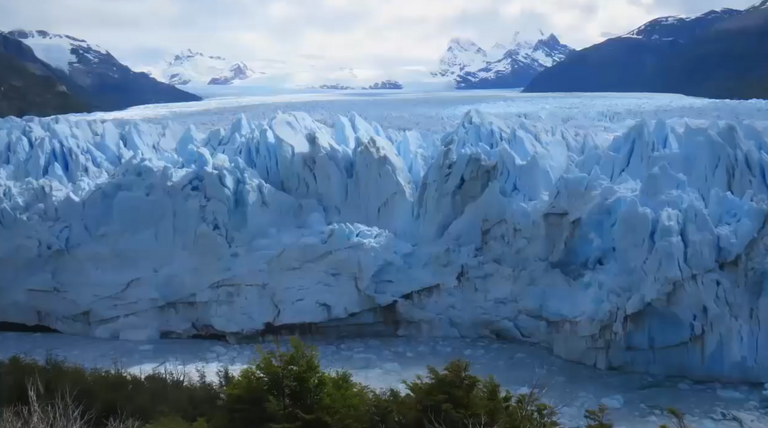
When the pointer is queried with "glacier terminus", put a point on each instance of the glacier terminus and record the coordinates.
(643, 249)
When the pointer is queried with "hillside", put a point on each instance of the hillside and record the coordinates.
(99, 78)
(720, 54)
(29, 86)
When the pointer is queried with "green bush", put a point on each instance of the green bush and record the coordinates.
(105, 394)
(678, 419)
(283, 389)
(598, 418)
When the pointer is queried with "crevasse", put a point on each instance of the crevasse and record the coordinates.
(645, 254)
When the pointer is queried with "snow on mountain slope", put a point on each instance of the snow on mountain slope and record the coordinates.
(497, 51)
(517, 66)
(189, 67)
(681, 27)
(95, 76)
(646, 253)
(504, 67)
(237, 71)
(59, 50)
(461, 54)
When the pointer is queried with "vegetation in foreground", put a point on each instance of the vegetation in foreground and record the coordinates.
(283, 389)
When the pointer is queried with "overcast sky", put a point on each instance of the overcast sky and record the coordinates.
(356, 33)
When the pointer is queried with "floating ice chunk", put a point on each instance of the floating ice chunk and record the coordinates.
(613, 402)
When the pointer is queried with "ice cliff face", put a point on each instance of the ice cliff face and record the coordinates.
(646, 254)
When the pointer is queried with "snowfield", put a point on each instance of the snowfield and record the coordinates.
(619, 231)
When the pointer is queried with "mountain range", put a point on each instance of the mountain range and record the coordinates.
(194, 69)
(93, 77)
(719, 54)
(464, 64)
(190, 67)
(501, 67)
(517, 65)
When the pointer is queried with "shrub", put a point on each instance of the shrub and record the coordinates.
(294, 382)
(598, 418)
(678, 419)
(62, 412)
(106, 394)
(454, 398)
(283, 389)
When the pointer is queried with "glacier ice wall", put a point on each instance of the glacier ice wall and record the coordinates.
(648, 253)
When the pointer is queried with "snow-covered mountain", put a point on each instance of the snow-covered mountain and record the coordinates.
(237, 71)
(383, 85)
(386, 84)
(462, 54)
(682, 28)
(646, 253)
(718, 54)
(30, 86)
(62, 51)
(195, 68)
(102, 82)
(190, 67)
(497, 51)
(503, 66)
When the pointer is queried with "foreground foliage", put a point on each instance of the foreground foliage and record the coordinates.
(283, 389)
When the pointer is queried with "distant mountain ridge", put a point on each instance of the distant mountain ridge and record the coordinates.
(719, 54)
(390, 85)
(472, 67)
(681, 28)
(100, 80)
(191, 67)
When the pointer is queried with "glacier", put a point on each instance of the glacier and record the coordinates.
(643, 253)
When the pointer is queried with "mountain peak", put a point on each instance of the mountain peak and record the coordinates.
(188, 54)
(193, 67)
(521, 42)
(760, 5)
(516, 66)
(552, 38)
(464, 44)
(462, 54)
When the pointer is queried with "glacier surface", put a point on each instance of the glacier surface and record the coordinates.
(642, 252)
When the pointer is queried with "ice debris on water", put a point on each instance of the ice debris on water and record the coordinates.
(613, 402)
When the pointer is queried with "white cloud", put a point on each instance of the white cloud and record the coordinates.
(360, 33)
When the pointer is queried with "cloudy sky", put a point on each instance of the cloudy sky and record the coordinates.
(356, 33)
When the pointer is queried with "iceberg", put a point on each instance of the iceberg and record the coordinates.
(646, 253)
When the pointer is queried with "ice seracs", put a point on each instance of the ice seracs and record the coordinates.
(646, 253)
